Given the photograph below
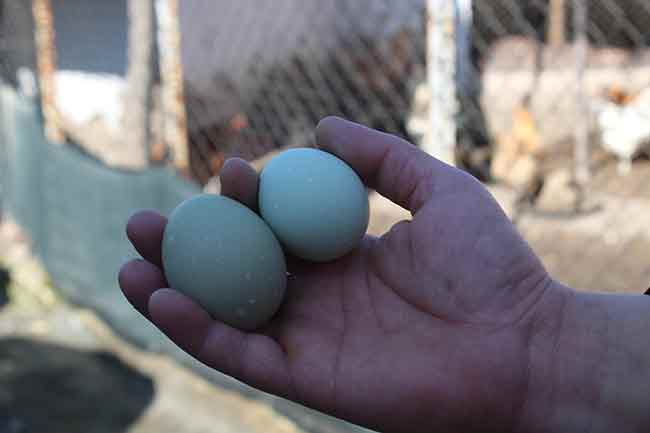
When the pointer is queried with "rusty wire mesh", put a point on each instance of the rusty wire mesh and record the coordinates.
(266, 75)
(277, 69)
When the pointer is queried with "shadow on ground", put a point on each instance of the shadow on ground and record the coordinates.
(4, 285)
(47, 388)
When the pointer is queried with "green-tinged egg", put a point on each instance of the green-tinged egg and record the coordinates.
(222, 255)
(315, 203)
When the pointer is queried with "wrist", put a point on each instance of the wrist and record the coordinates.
(589, 364)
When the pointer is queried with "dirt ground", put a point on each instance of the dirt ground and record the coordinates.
(606, 248)
(63, 370)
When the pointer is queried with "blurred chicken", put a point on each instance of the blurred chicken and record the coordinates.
(624, 124)
(517, 156)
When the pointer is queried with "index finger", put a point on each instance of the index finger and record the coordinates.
(145, 231)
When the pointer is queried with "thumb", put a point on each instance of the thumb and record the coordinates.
(386, 163)
(407, 176)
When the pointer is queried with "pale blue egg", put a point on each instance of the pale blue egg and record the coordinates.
(225, 257)
(315, 203)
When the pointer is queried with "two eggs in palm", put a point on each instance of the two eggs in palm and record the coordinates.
(232, 261)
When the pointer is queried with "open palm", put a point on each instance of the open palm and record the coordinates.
(427, 328)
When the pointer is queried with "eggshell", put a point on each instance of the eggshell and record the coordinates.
(222, 255)
(315, 203)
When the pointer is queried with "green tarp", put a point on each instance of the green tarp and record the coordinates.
(75, 210)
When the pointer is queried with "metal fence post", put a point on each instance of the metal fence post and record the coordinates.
(440, 138)
(467, 81)
(581, 151)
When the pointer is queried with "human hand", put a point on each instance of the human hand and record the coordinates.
(430, 327)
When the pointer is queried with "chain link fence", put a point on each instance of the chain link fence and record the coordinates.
(255, 77)
(267, 74)
(540, 86)
(260, 75)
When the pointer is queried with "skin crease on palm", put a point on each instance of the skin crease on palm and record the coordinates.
(428, 328)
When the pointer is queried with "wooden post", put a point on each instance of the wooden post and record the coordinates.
(46, 65)
(171, 71)
(557, 23)
(440, 138)
(581, 150)
(139, 85)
